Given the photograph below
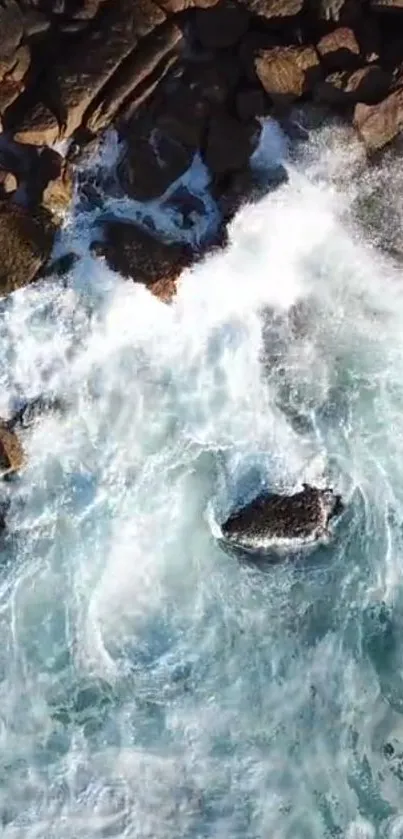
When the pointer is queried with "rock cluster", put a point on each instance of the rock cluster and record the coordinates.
(176, 77)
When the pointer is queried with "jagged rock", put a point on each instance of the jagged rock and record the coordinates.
(152, 162)
(38, 127)
(222, 26)
(138, 76)
(26, 241)
(288, 71)
(339, 49)
(135, 253)
(12, 457)
(73, 83)
(275, 8)
(229, 144)
(58, 192)
(31, 412)
(378, 124)
(302, 518)
(8, 182)
(368, 84)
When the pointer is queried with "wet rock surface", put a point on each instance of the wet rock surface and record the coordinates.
(301, 518)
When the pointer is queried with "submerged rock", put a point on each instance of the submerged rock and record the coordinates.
(302, 518)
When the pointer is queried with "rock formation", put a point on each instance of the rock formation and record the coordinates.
(283, 520)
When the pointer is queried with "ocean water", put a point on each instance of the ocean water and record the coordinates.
(151, 685)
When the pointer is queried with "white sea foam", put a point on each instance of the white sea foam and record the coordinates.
(151, 685)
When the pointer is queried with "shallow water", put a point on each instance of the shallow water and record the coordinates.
(150, 684)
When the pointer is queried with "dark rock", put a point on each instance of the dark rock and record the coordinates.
(339, 50)
(288, 71)
(229, 144)
(222, 26)
(368, 84)
(61, 266)
(300, 518)
(184, 117)
(378, 124)
(31, 412)
(12, 457)
(252, 102)
(152, 162)
(26, 241)
(275, 8)
(137, 254)
(387, 5)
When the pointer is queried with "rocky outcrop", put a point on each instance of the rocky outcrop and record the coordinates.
(378, 124)
(12, 457)
(288, 72)
(139, 255)
(26, 240)
(293, 520)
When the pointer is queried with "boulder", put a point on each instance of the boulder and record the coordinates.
(8, 182)
(378, 124)
(292, 520)
(339, 50)
(229, 144)
(58, 192)
(221, 26)
(274, 8)
(138, 254)
(368, 84)
(12, 457)
(288, 72)
(152, 162)
(26, 241)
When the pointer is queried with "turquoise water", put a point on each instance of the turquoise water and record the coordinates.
(151, 685)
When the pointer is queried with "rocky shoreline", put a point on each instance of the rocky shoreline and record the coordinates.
(176, 79)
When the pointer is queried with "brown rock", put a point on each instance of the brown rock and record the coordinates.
(12, 457)
(378, 124)
(58, 194)
(288, 71)
(38, 127)
(221, 26)
(368, 84)
(275, 8)
(339, 49)
(138, 76)
(73, 83)
(8, 182)
(26, 241)
(229, 144)
(20, 64)
(174, 6)
(11, 27)
(137, 254)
